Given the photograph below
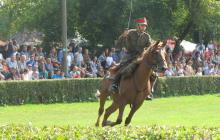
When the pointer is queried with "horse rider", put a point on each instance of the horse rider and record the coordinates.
(135, 40)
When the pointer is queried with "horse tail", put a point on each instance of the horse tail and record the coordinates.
(97, 95)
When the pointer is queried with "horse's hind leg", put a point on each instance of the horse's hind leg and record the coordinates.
(102, 99)
(112, 108)
(134, 108)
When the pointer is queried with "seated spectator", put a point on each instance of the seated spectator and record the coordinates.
(101, 72)
(31, 61)
(179, 70)
(22, 63)
(35, 74)
(75, 72)
(218, 71)
(188, 69)
(30, 72)
(57, 74)
(25, 75)
(211, 69)
(169, 72)
(199, 72)
(15, 75)
(13, 62)
(216, 58)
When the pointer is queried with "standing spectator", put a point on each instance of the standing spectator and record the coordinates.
(30, 50)
(210, 45)
(24, 51)
(43, 74)
(206, 67)
(109, 61)
(94, 66)
(1, 56)
(9, 49)
(73, 46)
(115, 55)
(86, 57)
(102, 59)
(53, 54)
(49, 67)
(70, 58)
(78, 58)
(123, 53)
(60, 55)
(40, 52)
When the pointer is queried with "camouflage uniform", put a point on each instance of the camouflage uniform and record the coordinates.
(135, 42)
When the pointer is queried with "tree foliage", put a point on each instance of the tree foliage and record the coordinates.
(101, 21)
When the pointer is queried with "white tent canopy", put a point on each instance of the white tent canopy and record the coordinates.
(188, 46)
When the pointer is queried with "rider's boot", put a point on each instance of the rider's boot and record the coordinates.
(115, 84)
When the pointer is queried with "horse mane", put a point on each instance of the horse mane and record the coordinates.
(145, 52)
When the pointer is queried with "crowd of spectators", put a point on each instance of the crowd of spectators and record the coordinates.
(32, 63)
(204, 60)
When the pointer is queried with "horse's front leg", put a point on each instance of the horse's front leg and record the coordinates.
(120, 114)
(112, 108)
(139, 101)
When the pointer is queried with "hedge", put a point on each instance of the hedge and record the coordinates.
(155, 132)
(78, 90)
(182, 86)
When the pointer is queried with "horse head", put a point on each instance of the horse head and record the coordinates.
(155, 56)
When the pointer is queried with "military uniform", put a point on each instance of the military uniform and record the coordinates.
(135, 41)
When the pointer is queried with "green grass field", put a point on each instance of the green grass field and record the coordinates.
(174, 111)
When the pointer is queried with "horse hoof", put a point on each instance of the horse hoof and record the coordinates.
(107, 123)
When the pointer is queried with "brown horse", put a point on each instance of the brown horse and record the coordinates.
(132, 89)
